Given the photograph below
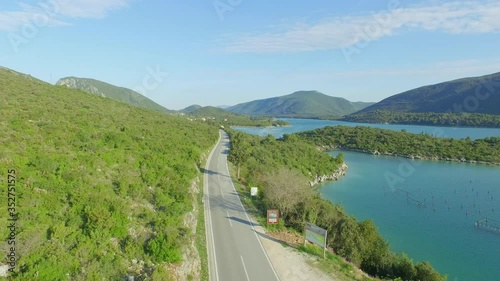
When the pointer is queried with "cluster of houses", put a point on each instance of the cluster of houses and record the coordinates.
(204, 119)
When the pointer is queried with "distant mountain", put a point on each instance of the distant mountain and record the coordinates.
(446, 96)
(190, 108)
(308, 104)
(225, 117)
(113, 92)
(223, 106)
(473, 101)
(211, 111)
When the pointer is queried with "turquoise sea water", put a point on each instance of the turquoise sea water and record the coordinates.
(443, 232)
(424, 208)
(299, 125)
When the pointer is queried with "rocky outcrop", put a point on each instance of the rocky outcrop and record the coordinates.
(189, 268)
(79, 84)
(341, 171)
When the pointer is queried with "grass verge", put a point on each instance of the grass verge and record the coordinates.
(201, 237)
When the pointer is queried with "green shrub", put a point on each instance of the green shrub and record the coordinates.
(163, 249)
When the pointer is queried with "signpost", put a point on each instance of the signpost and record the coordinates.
(273, 216)
(254, 191)
(316, 235)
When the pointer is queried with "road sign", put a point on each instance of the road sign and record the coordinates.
(316, 235)
(253, 191)
(273, 216)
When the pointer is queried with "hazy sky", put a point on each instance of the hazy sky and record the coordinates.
(224, 52)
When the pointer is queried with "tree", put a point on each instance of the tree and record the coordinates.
(163, 249)
(347, 240)
(375, 249)
(404, 268)
(240, 151)
(425, 272)
(288, 191)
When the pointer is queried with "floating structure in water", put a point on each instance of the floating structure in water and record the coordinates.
(488, 224)
(410, 199)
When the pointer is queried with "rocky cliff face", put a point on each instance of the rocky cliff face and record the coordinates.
(335, 176)
(79, 84)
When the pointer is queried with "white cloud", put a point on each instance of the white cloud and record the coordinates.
(57, 12)
(89, 8)
(464, 17)
(450, 69)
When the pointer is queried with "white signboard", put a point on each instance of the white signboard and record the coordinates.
(253, 191)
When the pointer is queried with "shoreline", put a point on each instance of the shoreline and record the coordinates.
(328, 148)
(336, 175)
(271, 126)
(383, 123)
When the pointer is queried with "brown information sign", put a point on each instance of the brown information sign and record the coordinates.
(273, 216)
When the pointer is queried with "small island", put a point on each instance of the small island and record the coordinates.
(403, 144)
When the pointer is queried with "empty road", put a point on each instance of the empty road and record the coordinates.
(235, 253)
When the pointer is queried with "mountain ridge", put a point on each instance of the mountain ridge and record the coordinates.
(442, 97)
(465, 102)
(190, 108)
(309, 104)
(111, 91)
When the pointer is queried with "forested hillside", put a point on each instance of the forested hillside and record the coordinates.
(111, 91)
(419, 146)
(101, 187)
(306, 104)
(468, 102)
(463, 119)
(221, 116)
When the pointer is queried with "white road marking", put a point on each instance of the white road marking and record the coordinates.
(229, 218)
(208, 218)
(252, 226)
(244, 268)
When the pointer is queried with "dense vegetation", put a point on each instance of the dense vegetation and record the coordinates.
(402, 143)
(302, 104)
(462, 119)
(223, 117)
(113, 92)
(254, 156)
(282, 168)
(464, 102)
(102, 187)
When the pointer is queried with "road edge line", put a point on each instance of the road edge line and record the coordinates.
(207, 214)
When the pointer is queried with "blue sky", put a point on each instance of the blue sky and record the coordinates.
(224, 52)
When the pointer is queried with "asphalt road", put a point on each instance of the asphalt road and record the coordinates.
(235, 252)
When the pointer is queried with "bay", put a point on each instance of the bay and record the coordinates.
(455, 196)
(300, 125)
